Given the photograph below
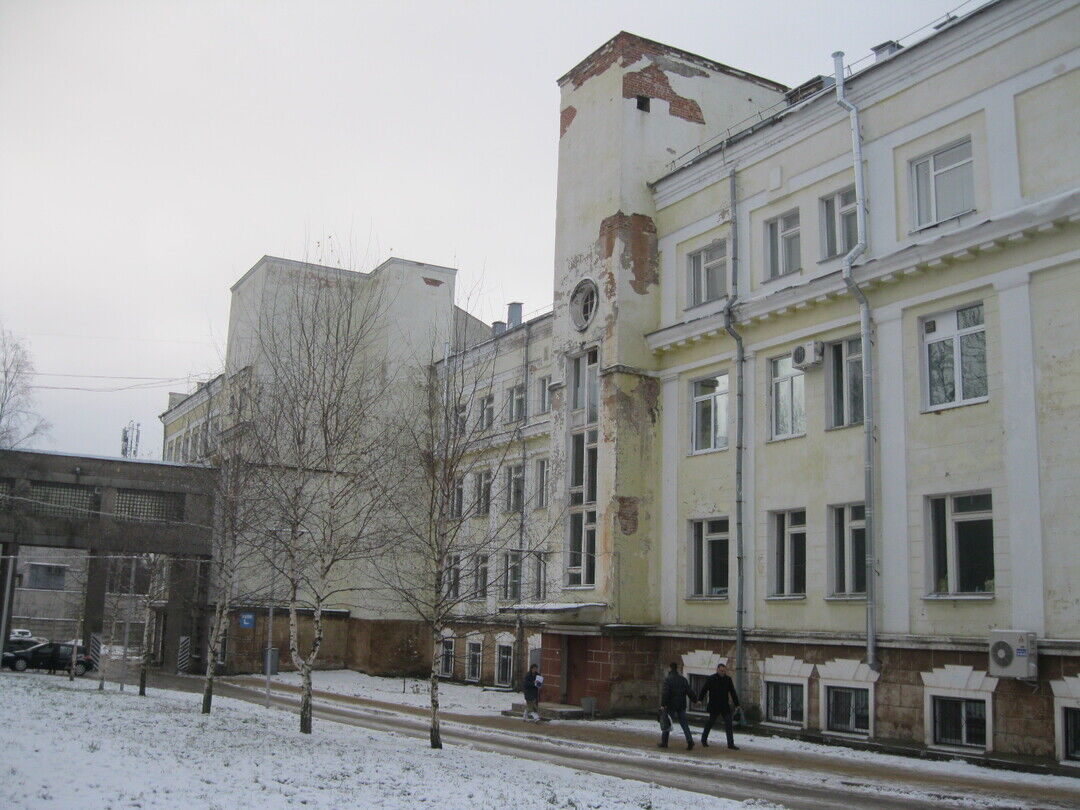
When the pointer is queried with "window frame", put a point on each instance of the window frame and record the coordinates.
(453, 576)
(840, 395)
(585, 384)
(955, 336)
(934, 218)
(718, 442)
(937, 700)
(833, 213)
(543, 400)
(469, 652)
(515, 488)
(512, 578)
(952, 559)
(34, 566)
(776, 237)
(499, 647)
(446, 643)
(1065, 711)
(827, 690)
(481, 576)
(483, 482)
(700, 557)
(842, 552)
(539, 581)
(582, 509)
(699, 270)
(783, 544)
(776, 379)
(541, 483)
(515, 403)
(789, 684)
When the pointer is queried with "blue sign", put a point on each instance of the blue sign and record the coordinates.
(247, 619)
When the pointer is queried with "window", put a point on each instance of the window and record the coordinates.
(1071, 739)
(960, 721)
(504, 664)
(784, 702)
(487, 411)
(789, 553)
(461, 420)
(539, 583)
(954, 357)
(473, 660)
(511, 587)
(483, 492)
(453, 576)
(45, 577)
(849, 550)
(709, 557)
(962, 534)
(457, 498)
(783, 252)
(480, 576)
(642, 103)
(147, 504)
(581, 568)
(942, 185)
(541, 483)
(839, 223)
(515, 403)
(515, 488)
(710, 413)
(446, 658)
(848, 709)
(845, 390)
(788, 399)
(585, 384)
(706, 272)
(583, 304)
(543, 394)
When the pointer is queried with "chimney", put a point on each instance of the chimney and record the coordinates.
(513, 314)
(885, 49)
(498, 327)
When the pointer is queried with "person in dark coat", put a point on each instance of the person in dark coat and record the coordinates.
(531, 691)
(673, 702)
(716, 689)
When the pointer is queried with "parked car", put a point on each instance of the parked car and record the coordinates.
(18, 632)
(16, 643)
(50, 656)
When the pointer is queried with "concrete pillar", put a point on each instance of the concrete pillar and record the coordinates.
(8, 566)
(97, 575)
(180, 607)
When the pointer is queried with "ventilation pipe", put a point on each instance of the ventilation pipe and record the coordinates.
(498, 327)
(513, 314)
(740, 559)
(867, 364)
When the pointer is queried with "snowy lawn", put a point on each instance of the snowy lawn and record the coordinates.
(73, 745)
(453, 697)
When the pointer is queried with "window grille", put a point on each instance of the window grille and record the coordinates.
(140, 504)
(51, 499)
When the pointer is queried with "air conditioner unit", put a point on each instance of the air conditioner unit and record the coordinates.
(1013, 654)
(808, 355)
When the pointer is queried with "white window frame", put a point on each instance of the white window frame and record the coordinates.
(719, 421)
(487, 412)
(515, 403)
(461, 419)
(483, 493)
(786, 539)
(834, 213)
(943, 331)
(702, 266)
(452, 573)
(790, 683)
(704, 534)
(481, 584)
(845, 375)
(585, 385)
(38, 565)
(515, 487)
(446, 643)
(952, 517)
(512, 577)
(851, 563)
(1066, 696)
(457, 498)
(582, 518)
(539, 580)
(541, 483)
(795, 380)
(845, 673)
(478, 643)
(962, 682)
(785, 669)
(543, 394)
(933, 173)
(499, 647)
(777, 236)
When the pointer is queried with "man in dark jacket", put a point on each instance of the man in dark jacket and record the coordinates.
(531, 690)
(673, 702)
(716, 689)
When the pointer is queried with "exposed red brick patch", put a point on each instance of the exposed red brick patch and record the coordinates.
(565, 118)
(432, 282)
(654, 83)
(638, 235)
(627, 514)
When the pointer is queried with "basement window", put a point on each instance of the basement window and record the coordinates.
(643, 103)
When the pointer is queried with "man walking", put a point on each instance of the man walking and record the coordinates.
(716, 689)
(531, 691)
(673, 702)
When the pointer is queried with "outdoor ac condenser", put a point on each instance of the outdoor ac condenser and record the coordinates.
(1013, 654)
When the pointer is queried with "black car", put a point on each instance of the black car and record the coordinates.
(50, 656)
(16, 643)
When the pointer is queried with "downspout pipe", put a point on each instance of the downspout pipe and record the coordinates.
(865, 329)
(740, 356)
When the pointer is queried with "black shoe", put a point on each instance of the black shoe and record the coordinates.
(704, 743)
(733, 747)
(689, 745)
(661, 745)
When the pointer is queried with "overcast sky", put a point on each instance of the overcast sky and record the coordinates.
(151, 152)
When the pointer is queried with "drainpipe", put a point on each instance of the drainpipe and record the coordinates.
(740, 567)
(867, 363)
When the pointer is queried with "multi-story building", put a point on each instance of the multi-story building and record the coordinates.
(709, 416)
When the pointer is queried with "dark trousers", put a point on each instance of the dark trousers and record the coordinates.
(726, 713)
(680, 716)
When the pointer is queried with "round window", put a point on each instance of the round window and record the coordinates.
(583, 304)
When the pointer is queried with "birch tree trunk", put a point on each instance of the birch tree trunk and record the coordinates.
(436, 653)
(216, 632)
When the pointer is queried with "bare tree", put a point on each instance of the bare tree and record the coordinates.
(156, 568)
(459, 502)
(19, 423)
(317, 440)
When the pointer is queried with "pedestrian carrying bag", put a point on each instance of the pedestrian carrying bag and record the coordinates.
(665, 720)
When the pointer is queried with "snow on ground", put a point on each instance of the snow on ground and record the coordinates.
(453, 697)
(475, 700)
(73, 744)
